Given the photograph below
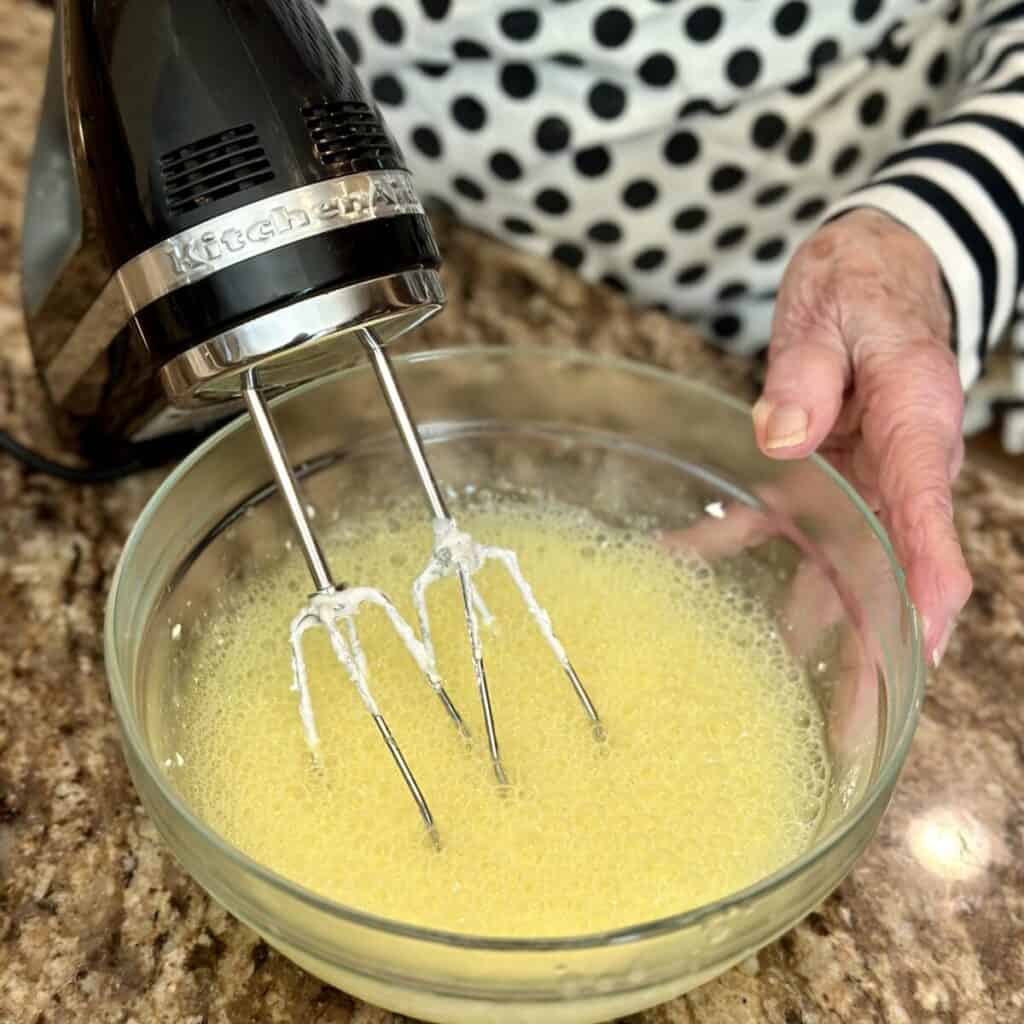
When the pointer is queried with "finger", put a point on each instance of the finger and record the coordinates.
(812, 605)
(913, 429)
(808, 372)
(853, 717)
(957, 462)
(861, 471)
(723, 532)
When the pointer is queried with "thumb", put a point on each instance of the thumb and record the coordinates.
(808, 372)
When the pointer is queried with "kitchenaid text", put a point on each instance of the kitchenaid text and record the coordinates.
(308, 211)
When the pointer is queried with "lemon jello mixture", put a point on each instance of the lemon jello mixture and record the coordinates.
(713, 775)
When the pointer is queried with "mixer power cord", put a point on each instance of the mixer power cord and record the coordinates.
(144, 456)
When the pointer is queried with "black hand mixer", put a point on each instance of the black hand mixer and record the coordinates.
(217, 213)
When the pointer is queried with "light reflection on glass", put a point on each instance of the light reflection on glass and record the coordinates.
(950, 843)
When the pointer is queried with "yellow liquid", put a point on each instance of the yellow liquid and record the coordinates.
(713, 775)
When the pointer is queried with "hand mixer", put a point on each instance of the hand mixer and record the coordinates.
(216, 213)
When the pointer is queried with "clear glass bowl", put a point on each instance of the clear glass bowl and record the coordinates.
(624, 441)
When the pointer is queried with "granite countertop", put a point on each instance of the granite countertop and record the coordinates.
(98, 924)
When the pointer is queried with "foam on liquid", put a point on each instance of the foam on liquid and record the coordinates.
(713, 775)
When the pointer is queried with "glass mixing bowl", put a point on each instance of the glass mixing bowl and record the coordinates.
(628, 443)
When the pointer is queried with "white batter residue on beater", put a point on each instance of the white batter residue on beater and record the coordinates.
(456, 553)
(326, 610)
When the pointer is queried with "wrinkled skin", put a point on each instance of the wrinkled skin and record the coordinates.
(861, 370)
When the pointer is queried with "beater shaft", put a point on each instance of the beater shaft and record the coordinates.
(410, 436)
(288, 485)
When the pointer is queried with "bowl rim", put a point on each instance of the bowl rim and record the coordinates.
(886, 777)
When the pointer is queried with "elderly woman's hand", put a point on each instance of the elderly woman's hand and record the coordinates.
(861, 369)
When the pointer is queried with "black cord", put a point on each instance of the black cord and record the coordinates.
(143, 458)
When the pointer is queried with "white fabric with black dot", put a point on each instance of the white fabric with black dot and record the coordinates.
(678, 151)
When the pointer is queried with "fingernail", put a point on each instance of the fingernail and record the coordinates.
(940, 648)
(786, 427)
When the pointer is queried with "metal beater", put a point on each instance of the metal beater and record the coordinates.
(455, 553)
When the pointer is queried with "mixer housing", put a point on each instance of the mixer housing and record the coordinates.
(212, 191)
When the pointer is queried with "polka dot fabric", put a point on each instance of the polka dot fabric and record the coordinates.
(678, 152)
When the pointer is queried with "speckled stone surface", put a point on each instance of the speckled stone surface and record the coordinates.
(98, 925)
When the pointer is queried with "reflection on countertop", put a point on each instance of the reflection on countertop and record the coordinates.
(950, 843)
(97, 923)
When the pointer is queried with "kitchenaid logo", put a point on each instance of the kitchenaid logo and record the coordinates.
(309, 211)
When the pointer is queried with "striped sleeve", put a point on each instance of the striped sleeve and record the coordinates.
(960, 185)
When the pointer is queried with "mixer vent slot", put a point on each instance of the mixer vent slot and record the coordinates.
(347, 132)
(209, 169)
